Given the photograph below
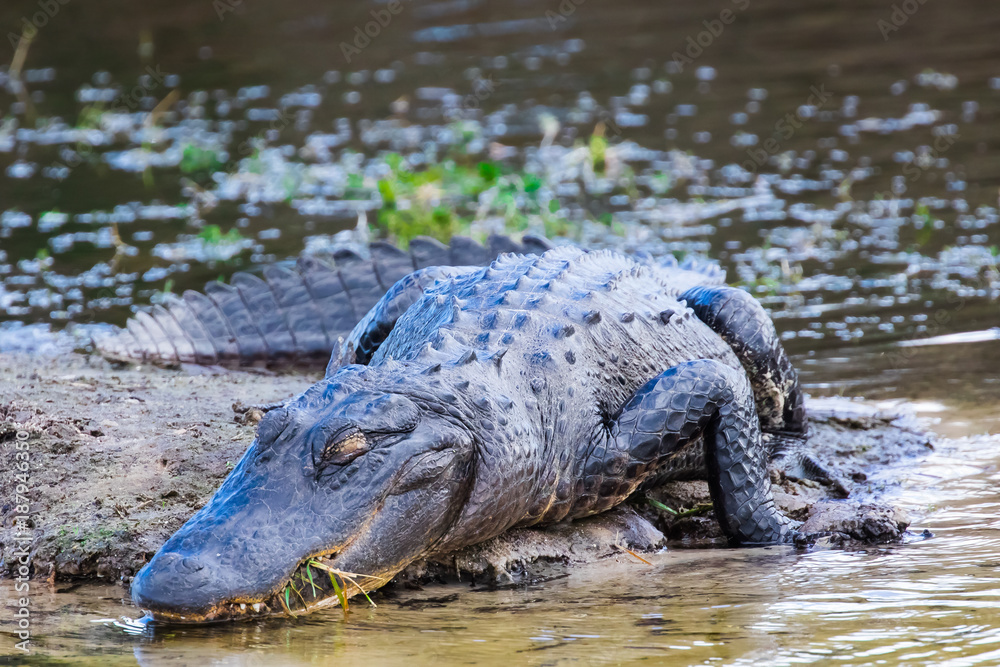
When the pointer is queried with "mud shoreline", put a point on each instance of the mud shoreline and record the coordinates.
(122, 456)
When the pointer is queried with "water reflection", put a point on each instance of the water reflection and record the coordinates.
(929, 601)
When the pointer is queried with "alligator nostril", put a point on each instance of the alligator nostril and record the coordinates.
(175, 584)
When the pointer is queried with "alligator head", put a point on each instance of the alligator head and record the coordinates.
(340, 490)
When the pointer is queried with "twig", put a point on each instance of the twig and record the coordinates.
(632, 553)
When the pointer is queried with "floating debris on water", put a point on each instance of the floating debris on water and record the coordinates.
(234, 179)
(137, 627)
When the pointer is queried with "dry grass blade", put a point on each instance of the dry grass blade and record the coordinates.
(633, 554)
(153, 118)
(14, 71)
(20, 55)
(349, 577)
(298, 594)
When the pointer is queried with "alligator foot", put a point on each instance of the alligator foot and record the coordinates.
(252, 414)
(790, 455)
(742, 322)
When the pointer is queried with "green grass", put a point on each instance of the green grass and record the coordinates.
(702, 508)
(212, 235)
(598, 152)
(447, 198)
(198, 161)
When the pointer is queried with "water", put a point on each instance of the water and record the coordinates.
(873, 227)
(927, 602)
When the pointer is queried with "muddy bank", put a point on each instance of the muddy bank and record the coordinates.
(121, 457)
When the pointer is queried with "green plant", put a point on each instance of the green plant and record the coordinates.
(89, 117)
(598, 150)
(198, 160)
(212, 235)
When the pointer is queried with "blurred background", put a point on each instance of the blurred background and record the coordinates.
(838, 159)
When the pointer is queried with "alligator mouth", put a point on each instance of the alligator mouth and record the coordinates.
(315, 584)
(225, 611)
(318, 583)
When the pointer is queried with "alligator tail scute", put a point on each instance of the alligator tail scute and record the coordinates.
(290, 315)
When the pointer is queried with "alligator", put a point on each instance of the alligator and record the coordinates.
(290, 315)
(470, 400)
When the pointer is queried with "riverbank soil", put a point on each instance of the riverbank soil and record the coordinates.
(120, 457)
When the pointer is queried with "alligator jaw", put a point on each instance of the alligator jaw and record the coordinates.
(226, 611)
(315, 584)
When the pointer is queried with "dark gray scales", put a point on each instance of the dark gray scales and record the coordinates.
(470, 400)
(569, 340)
(583, 376)
(290, 315)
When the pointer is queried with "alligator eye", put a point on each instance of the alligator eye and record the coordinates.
(345, 447)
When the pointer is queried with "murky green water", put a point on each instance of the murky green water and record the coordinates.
(873, 227)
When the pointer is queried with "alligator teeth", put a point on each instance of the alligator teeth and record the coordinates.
(256, 606)
(243, 607)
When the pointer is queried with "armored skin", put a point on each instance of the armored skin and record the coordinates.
(289, 315)
(474, 399)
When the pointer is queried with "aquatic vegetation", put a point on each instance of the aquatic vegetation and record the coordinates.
(451, 197)
(197, 160)
(256, 157)
(209, 245)
(598, 148)
(212, 235)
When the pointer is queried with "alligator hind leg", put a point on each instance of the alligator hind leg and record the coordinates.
(743, 323)
(707, 399)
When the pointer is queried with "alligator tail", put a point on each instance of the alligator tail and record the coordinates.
(289, 315)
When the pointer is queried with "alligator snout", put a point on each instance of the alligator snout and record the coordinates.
(174, 584)
(175, 588)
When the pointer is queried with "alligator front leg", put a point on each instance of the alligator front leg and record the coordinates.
(378, 323)
(743, 323)
(709, 400)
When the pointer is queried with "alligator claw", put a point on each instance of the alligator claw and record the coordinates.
(807, 540)
(789, 456)
(252, 414)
